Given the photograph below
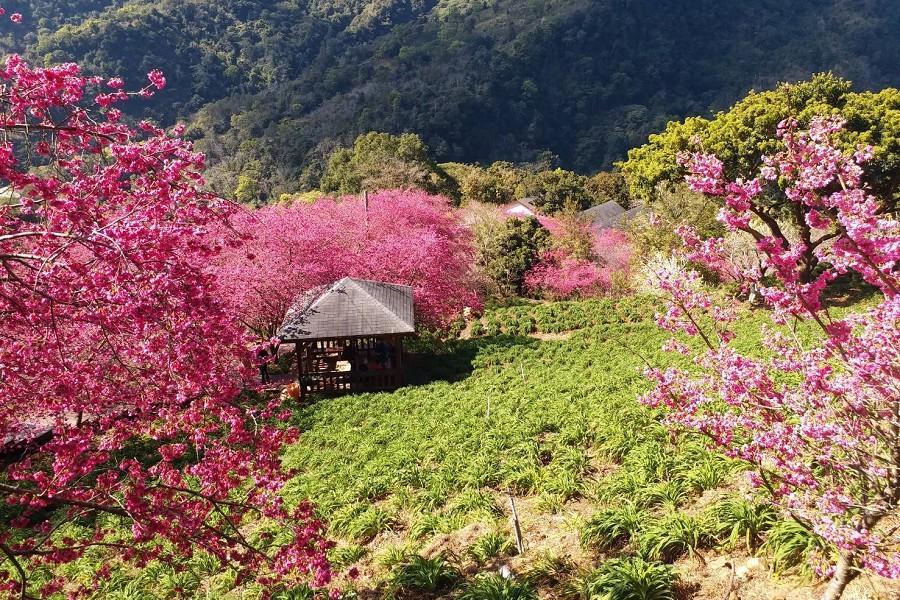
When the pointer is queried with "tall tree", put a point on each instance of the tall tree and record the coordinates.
(121, 374)
(381, 161)
(819, 424)
(741, 137)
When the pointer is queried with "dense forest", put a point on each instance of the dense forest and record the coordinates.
(273, 87)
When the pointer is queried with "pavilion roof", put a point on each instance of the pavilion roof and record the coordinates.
(350, 308)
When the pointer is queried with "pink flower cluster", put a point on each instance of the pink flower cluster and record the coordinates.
(558, 275)
(113, 337)
(820, 424)
(406, 237)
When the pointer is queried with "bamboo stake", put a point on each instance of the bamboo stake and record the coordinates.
(520, 546)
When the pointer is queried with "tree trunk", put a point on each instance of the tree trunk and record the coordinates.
(843, 574)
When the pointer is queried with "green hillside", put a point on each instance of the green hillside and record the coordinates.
(541, 406)
(283, 82)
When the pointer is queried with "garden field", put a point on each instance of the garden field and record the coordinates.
(538, 403)
(416, 483)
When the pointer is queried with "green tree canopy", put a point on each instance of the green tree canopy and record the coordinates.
(380, 161)
(556, 190)
(495, 184)
(747, 131)
(608, 185)
(507, 255)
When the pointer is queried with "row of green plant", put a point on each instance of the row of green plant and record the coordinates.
(735, 522)
(558, 317)
(615, 579)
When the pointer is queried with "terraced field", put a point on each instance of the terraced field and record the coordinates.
(539, 406)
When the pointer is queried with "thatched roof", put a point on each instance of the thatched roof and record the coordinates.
(350, 308)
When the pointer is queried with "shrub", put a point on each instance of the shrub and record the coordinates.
(627, 579)
(430, 575)
(790, 545)
(613, 527)
(344, 556)
(497, 587)
(740, 519)
(490, 545)
(674, 536)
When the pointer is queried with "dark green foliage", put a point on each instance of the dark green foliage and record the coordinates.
(420, 574)
(507, 256)
(480, 81)
(496, 587)
(554, 191)
(741, 520)
(627, 579)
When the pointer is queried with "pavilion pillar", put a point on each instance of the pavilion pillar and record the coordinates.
(401, 374)
(298, 350)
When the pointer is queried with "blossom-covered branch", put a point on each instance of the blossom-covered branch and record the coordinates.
(820, 425)
(122, 376)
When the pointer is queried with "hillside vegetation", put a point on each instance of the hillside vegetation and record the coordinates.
(540, 406)
(283, 82)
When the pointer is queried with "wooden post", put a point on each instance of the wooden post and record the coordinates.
(366, 202)
(401, 374)
(298, 351)
(520, 546)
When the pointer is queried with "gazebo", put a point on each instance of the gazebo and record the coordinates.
(348, 336)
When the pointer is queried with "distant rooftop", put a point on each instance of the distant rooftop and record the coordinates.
(604, 216)
(529, 204)
(350, 308)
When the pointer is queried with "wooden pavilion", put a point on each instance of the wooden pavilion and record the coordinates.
(348, 336)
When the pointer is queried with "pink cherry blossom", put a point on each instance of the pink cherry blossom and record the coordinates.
(818, 424)
(113, 336)
(405, 237)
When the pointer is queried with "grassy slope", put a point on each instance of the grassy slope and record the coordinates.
(426, 469)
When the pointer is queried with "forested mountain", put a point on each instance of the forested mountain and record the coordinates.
(271, 87)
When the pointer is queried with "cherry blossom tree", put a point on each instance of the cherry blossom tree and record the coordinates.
(122, 377)
(405, 237)
(820, 424)
(564, 272)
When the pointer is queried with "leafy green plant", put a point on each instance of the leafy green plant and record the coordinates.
(344, 556)
(670, 494)
(613, 527)
(369, 523)
(674, 536)
(549, 569)
(707, 475)
(422, 574)
(497, 587)
(477, 329)
(625, 579)
(790, 545)
(490, 545)
(475, 502)
(740, 519)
